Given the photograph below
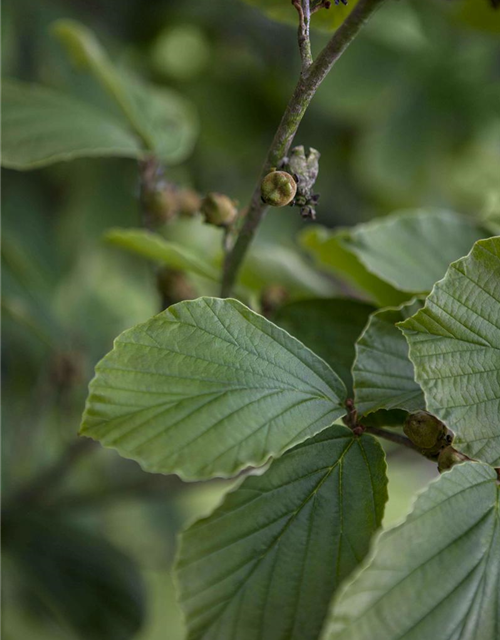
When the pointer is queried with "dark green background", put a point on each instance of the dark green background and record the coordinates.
(408, 118)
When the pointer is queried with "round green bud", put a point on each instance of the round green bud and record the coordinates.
(425, 431)
(218, 209)
(449, 457)
(278, 189)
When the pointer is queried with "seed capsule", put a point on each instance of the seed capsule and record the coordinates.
(278, 188)
(218, 209)
(428, 433)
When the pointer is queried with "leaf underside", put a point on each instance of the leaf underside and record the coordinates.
(455, 347)
(437, 574)
(207, 388)
(264, 565)
(411, 250)
(383, 373)
(153, 246)
(41, 126)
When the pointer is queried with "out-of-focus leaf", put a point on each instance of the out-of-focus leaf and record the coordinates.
(480, 14)
(283, 11)
(78, 577)
(411, 250)
(270, 264)
(207, 388)
(436, 575)
(265, 564)
(165, 122)
(329, 252)
(41, 126)
(153, 247)
(23, 315)
(455, 347)
(383, 373)
(169, 120)
(329, 327)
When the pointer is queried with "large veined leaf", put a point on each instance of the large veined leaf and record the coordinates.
(324, 19)
(165, 122)
(207, 388)
(80, 579)
(329, 327)
(412, 250)
(329, 252)
(437, 574)
(383, 373)
(264, 565)
(41, 126)
(154, 247)
(455, 347)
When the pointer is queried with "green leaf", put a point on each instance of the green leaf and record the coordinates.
(154, 247)
(324, 19)
(207, 388)
(455, 347)
(269, 264)
(41, 126)
(265, 564)
(411, 250)
(329, 251)
(165, 122)
(169, 121)
(329, 327)
(437, 574)
(383, 373)
(76, 577)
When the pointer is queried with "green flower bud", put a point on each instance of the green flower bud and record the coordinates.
(449, 457)
(218, 209)
(278, 188)
(427, 432)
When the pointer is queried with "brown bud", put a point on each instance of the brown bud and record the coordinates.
(428, 433)
(174, 286)
(273, 297)
(218, 209)
(449, 457)
(278, 188)
(162, 203)
(188, 202)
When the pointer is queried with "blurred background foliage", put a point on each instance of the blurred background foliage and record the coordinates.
(409, 118)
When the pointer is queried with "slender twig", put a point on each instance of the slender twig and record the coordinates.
(307, 86)
(149, 170)
(304, 10)
(392, 436)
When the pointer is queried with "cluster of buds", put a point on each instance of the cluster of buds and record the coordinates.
(292, 184)
(167, 201)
